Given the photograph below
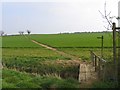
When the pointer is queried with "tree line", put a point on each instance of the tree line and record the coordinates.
(22, 32)
(2, 33)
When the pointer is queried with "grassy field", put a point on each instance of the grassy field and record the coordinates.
(74, 40)
(74, 44)
(84, 53)
(29, 52)
(28, 65)
(17, 41)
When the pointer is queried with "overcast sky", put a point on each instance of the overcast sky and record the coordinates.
(54, 16)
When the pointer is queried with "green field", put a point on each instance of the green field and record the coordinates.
(28, 65)
(74, 40)
(17, 41)
(59, 40)
(29, 52)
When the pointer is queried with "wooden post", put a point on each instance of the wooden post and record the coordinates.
(118, 58)
(101, 45)
(103, 68)
(114, 52)
(99, 69)
(79, 79)
(95, 63)
(92, 58)
(114, 43)
(102, 48)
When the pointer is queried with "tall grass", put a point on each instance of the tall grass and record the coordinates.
(15, 79)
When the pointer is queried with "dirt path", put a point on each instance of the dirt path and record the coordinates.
(54, 49)
(48, 47)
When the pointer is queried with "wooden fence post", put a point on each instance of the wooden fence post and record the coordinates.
(118, 58)
(114, 52)
(114, 43)
(103, 66)
(99, 69)
(92, 58)
(95, 63)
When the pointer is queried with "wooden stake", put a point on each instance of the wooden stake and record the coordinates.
(114, 52)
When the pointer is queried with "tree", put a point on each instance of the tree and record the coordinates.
(112, 26)
(1, 33)
(21, 32)
(28, 31)
(106, 16)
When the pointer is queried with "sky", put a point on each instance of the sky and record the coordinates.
(54, 16)
(119, 14)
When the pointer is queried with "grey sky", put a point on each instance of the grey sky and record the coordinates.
(119, 14)
(54, 16)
